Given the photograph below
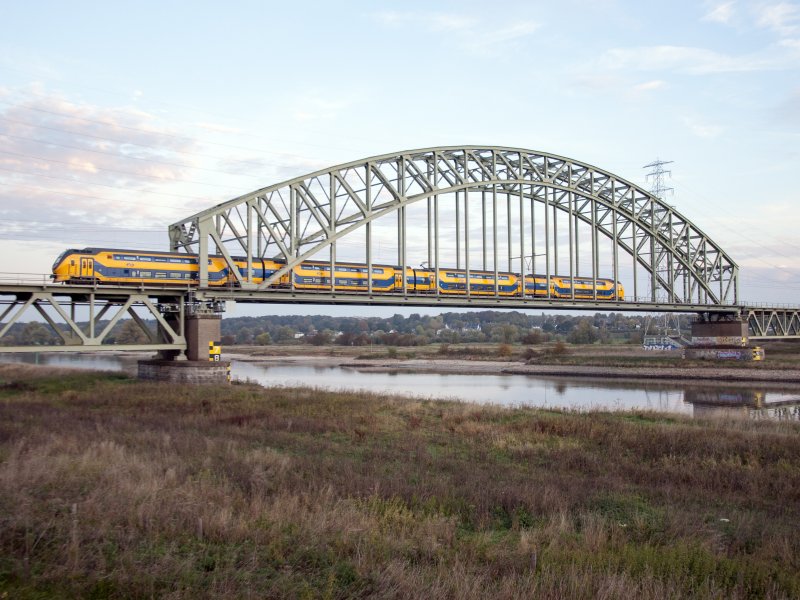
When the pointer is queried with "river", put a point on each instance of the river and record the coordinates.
(508, 390)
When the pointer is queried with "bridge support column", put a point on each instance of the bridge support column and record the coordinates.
(201, 328)
(732, 332)
(721, 338)
(202, 364)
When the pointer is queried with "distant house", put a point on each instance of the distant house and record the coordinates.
(297, 336)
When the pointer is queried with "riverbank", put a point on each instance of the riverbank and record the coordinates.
(118, 488)
(637, 367)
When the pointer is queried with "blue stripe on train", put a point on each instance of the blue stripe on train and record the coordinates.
(568, 292)
(376, 283)
(122, 273)
(477, 287)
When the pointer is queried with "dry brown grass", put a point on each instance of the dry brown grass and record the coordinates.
(113, 488)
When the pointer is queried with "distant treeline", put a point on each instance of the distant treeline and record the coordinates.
(450, 328)
(414, 330)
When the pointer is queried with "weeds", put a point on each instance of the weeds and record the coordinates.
(114, 488)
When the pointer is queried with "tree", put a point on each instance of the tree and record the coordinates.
(321, 338)
(263, 339)
(583, 333)
(130, 333)
(35, 334)
(533, 337)
(244, 336)
(285, 334)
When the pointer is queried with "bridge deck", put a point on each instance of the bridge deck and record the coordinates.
(114, 292)
(102, 306)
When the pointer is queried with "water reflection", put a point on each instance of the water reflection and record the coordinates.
(508, 390)
(744, 403)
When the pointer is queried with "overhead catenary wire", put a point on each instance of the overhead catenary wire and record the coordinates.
(130, 173)
(131, 143)
(125, 156)
(116, 187)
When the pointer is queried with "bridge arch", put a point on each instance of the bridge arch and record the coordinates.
(519, 195)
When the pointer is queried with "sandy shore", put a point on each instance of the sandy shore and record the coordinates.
(778, 377)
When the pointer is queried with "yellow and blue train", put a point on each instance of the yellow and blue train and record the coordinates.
(140, 267)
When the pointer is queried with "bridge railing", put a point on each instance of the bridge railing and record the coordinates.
(771, 305)
(25, 278)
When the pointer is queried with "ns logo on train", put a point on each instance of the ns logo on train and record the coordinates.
(136, 267)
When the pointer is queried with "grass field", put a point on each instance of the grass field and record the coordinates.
(111, 488)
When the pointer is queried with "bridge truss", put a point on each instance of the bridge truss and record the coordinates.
(81, 318)
(487, 209)
(773, 322)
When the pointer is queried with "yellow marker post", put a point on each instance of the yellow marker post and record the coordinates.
(214, 351)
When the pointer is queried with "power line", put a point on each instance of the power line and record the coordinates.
(126, 157)
(174, 136)
(657, 173)
(77, 195)
(119, 141)
(156, 177)
(99, 184)
(181, 106)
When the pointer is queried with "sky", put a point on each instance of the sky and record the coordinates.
(117, 119)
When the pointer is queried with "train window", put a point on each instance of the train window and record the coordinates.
(378, 271)
(161, 275)
(175, 275)
(146, 273)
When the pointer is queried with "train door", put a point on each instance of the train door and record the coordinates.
(87, 268)
(74, 267)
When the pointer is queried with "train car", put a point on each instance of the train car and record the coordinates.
(562, 287)
(536, 286)
(481, 283)
(120, 267)
(316, 275)
(102, 265)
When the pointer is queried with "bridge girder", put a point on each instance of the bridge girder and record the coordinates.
(304, 217)
(82, 317)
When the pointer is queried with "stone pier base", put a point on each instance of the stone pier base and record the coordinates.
(724, 353)
(185, 371)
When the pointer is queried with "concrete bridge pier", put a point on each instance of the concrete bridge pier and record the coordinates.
(202, 362)
(722, 337)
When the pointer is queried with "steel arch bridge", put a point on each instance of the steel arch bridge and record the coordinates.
(475, 208)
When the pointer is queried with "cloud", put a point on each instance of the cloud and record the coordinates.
(470, 32)
(783, 18)
(721, 12)
(61, 160)
(432, 21)
(690, 60)
(317, 106)
(701, 129)
(504, 35)
(650, 86)
(788, 111)
(216, 127)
